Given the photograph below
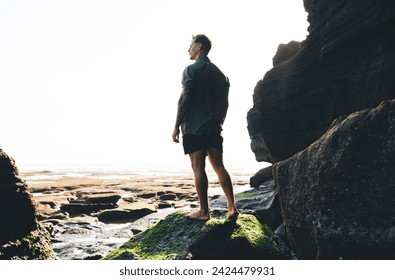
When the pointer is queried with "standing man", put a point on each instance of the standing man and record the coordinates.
(201, 112)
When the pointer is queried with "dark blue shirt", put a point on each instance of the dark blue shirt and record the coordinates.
(208, 89)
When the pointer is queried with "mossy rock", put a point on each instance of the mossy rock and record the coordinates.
(178, 237)
(34, 246)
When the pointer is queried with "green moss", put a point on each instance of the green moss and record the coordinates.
(177, 237)
(247, 194)
(38, 246)
(258, 235)
(155, 243)
(215, 222)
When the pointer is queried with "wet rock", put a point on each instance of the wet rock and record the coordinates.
(194, 205)
(150, 220)
(261, 177)
(147, 195)
(79, 231)
(85, 208)
(119, 215)
(130, 198)
(192, 198)
(337, 196)
(168, 196)
(59, 216)
(52, 221)
(263, 201)
(164, 205)
(178, 237)
(93, 199)
(49, 203)
(182, 196)
(84, 238)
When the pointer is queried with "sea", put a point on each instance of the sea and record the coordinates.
(124, 171)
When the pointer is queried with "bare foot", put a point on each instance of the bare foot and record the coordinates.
(233, 214)
(198, 215)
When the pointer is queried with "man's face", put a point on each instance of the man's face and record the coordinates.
(194, 50)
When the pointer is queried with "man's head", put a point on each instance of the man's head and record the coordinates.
(200, 46)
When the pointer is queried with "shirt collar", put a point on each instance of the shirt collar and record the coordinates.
(203, 58)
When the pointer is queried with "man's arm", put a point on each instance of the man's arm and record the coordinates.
(183, 105)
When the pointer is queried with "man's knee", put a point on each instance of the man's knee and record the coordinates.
(198, 166)
(215, 157)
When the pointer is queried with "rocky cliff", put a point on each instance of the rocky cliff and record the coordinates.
(21, 236)
(345, 64)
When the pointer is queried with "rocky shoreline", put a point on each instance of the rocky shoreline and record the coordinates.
(90, 214)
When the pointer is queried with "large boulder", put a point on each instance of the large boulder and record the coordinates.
(346, 64)
(337, 196)
(21, 236)
(261, 177)
(178, 237)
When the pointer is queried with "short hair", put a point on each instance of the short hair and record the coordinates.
(204, 40)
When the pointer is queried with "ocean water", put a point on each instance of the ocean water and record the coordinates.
(124, 171)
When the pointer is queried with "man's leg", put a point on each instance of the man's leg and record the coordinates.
(215, 157)
(198, 161)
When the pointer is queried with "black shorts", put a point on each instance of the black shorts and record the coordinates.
(193, 143)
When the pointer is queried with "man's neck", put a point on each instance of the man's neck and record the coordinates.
(200, 55)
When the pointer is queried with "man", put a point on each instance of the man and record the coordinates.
(202, 108)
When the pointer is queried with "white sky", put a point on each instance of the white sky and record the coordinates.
(87, 82)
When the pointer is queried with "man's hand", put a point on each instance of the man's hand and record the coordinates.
(176, 134)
